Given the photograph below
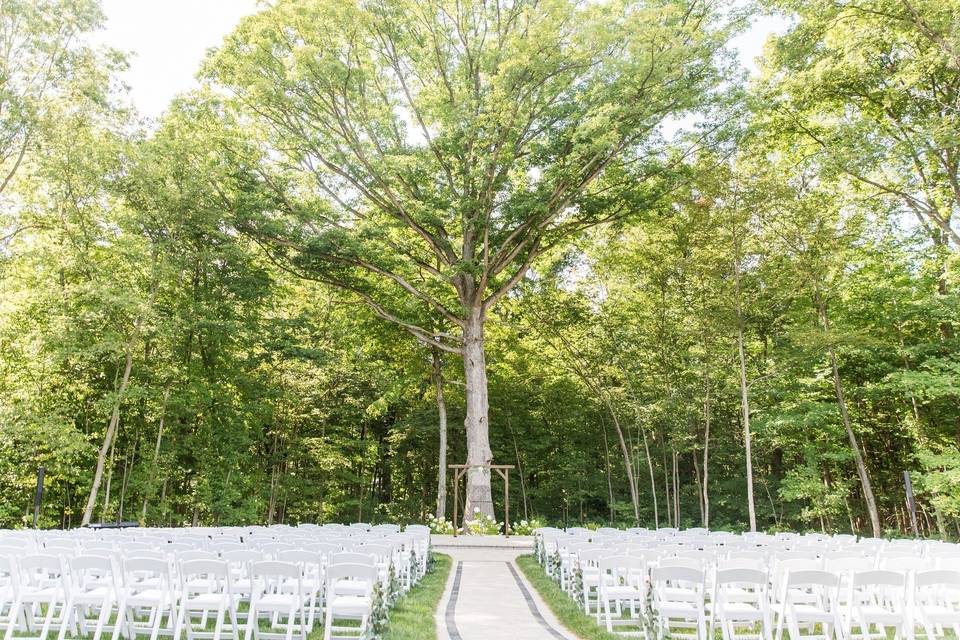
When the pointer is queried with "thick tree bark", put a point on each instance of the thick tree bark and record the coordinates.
(479, 497)
(744, 388)
(442, 417)
(845, 417)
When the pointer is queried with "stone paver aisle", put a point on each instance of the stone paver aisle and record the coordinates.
(487, 598)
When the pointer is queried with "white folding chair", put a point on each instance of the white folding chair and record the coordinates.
(678, 599)
(809, 600)
(622, 594)
(311, 566)
(741, 605)
(148, 598)
(875, 598)
(279, 599)
(349, 597)
(41, 601)
(590, 575)
(205, 591)
(935, 603)
(349, 557)
(93, 591)
(241, 582)
(9, 590)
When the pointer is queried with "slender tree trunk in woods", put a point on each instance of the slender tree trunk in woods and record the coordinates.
(115, 414)
(272, 503)
(626, 460)
(442, 416)
(110, 466)
(744, 388)
(941, 523)
(479, 497)
(706, 452)
(699, 483)
(127, 471)
(523, 482)
(653, 482)
(606, 464)
(845, 417)
(668, 497)
(646, 451)
(156, 457)
(676, 490)
(163, 498)
(108, 438)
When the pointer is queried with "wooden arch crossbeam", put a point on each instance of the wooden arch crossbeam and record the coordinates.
(503, 470)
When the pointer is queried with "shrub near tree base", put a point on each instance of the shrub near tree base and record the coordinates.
(482, 525)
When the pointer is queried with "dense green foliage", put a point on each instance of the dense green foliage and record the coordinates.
(150, 316)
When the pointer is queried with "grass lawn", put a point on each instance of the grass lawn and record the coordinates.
(412, 617)
(567, 611)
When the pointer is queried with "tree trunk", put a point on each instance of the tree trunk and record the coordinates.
(108, 438)
(697, 481)
(744, 389)
(676, 490)
(523, 482)
(606, 465)
(479, 499)
(156, 457)
(668, 498)
(706, 452)
(115, 415)
(653, 482)
(110, 467)
(442, 416)
(626, 460)
(127, 471)
(854, 445)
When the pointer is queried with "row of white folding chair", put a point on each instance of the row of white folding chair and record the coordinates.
(805, 600)
(205, 586)
(679, 595)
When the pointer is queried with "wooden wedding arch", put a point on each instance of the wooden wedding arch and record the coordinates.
(503, 470)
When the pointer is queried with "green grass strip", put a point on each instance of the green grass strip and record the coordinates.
(568, 612)
(412, 618)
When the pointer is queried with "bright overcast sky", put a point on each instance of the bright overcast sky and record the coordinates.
(167, 41)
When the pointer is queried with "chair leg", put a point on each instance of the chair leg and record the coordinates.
(15, 613)
(67, 616)
(178, 625)
(218, 625)
(105, 608)
(47, 621)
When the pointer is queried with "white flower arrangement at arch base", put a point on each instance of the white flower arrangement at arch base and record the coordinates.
(482, 524)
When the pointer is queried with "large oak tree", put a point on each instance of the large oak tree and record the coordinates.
(438, 147)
